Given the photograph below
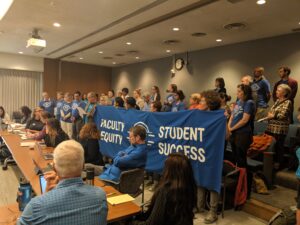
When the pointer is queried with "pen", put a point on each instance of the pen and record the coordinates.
(110, 194)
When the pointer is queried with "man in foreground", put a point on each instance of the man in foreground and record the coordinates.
(68, 200)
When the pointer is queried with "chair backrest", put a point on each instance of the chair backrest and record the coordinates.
(293, 128)
(131, 181)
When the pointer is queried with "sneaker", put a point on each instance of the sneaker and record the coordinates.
(211, 217)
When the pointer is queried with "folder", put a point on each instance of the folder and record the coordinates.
(120, 199)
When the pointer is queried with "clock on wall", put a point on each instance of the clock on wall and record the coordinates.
(179, 63)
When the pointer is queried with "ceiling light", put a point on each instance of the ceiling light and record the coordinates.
(80, 58)
(114, 63)
(20, 52)
(261, 2)
(100, 52)
(4, 7)
(128, 43)
(175, 29)
(299, 23)
(219, 40)
(56, 25)
(168, 50)
(137, 57)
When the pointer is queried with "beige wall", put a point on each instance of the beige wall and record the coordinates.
(229, 62)
(21, 62)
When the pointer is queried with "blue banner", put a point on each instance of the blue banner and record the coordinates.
(200, 135)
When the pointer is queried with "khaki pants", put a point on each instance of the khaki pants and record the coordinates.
(67, 128)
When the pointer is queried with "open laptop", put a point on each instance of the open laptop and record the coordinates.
(47, 155)
(43, 183)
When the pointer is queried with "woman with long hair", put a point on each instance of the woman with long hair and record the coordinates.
(175, 197)
(54, 133)
(89, 139)
(26, 112)
(35, 124)
(137, 94)
(155, 94)
(4, 116)
(178, 104)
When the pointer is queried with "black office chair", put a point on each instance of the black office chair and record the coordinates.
(130, 182)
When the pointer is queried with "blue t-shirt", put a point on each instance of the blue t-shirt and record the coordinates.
(48, 105)
(262, 89)
(178, 106)
(238, 111)
(298, 170)
(58, 106)
(66, 110)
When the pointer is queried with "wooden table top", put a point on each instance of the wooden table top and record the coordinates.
(23, 157)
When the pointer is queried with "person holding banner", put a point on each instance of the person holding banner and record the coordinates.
(119, 102)
(209, 101)
(176, 196)
(195, 101)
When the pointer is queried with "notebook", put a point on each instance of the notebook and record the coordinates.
(120, 199)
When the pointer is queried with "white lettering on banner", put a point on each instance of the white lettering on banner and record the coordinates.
(112, 125)
(182, 133)
(191, 152)
(111, 137)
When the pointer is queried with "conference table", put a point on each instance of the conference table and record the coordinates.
(24, 158)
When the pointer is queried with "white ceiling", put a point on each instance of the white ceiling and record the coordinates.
(106, 25)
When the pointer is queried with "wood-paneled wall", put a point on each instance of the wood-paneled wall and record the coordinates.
(69, 77)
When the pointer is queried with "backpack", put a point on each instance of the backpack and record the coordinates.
(284, 217)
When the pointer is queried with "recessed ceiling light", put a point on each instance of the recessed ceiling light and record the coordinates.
(56, 24)
(168, 50)
(114, 63)
(20, 52)
(219, 40)
(128, 43)
(298, 23)
(100, 52)
(175, 29)
(137, 57)
(261, 2)
(80, 58)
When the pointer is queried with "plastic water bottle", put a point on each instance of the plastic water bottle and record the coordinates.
(24, 195)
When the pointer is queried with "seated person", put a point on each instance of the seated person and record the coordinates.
(26, 112)
(40, 134)
(176, 196)
(35, 124)
(134, 156)
(67, 200)
(4, 115)
(54, 134)
(89, 139)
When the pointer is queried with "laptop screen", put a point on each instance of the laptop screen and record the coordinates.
(43, 184)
